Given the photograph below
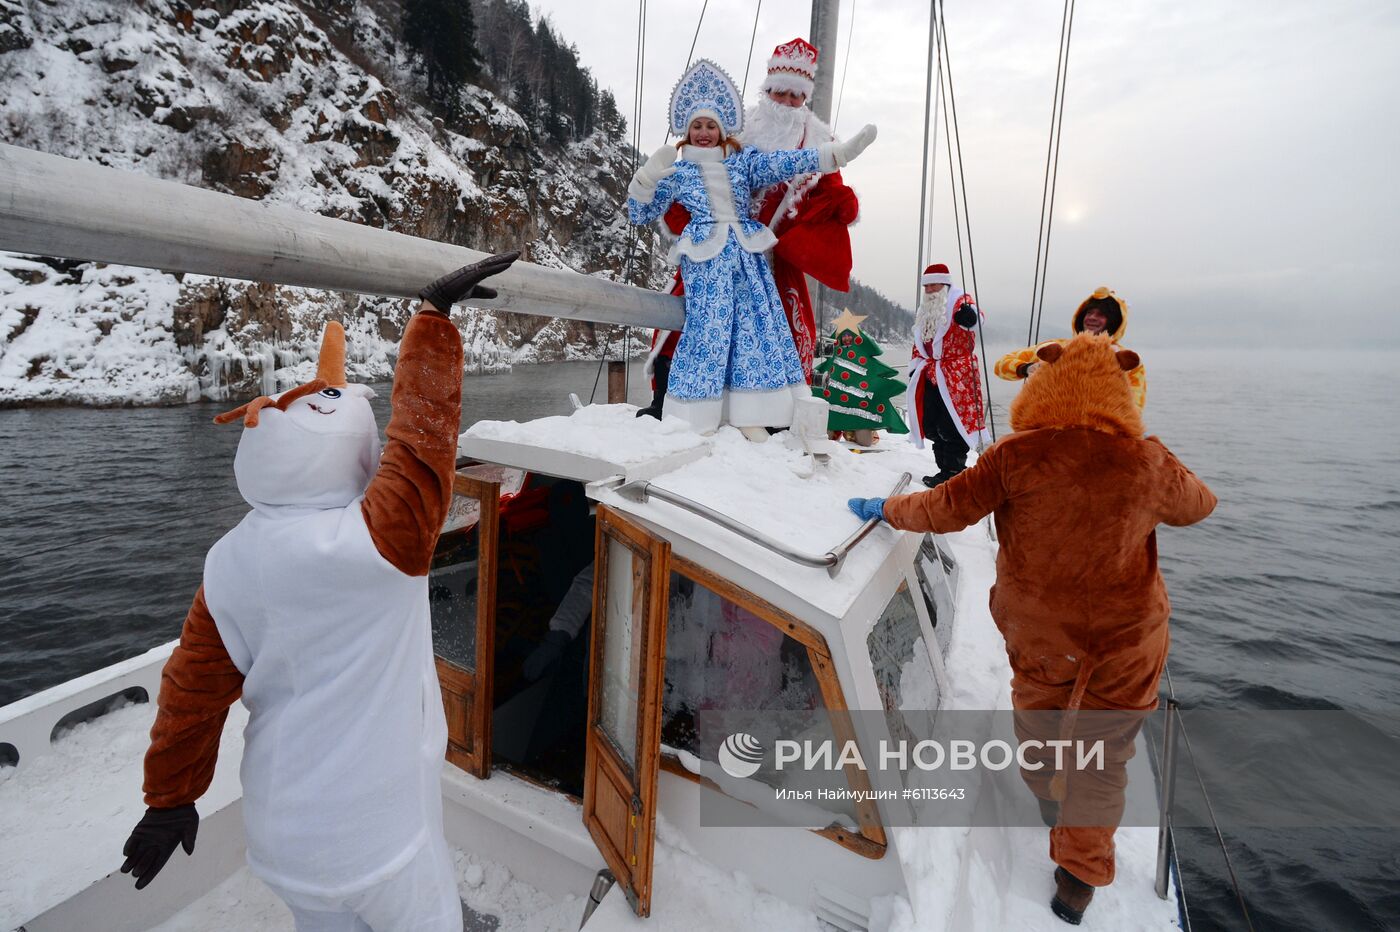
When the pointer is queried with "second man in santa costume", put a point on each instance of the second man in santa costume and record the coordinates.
(945, 387)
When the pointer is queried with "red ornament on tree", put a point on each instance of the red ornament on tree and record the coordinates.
(845, 375)
(864, 384)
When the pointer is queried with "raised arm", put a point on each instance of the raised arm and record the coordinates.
(652, 191)
(1015, 365)
(1185, 498)
(407, 500)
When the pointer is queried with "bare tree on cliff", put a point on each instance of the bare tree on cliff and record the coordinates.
(444, 32)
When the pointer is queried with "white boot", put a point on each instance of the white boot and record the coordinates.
(755, 434)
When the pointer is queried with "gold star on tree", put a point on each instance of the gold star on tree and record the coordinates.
(847, 321)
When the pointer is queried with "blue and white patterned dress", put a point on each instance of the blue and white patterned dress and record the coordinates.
(736, 362)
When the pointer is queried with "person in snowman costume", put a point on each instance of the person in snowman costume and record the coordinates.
(736, 362)
(314, 609)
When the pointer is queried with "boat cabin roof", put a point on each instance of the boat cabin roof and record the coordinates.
(775, 488)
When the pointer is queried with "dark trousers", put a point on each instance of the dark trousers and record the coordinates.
(949, 447)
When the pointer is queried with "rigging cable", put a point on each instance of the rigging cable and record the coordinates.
(1052, 178)
(690, 56)
(952, 180)
(846, 69)
(639, 65)
(933, 160)
(748, 63)
(923, 176)
(967, 212)
(1045, 185)
(1219, 837)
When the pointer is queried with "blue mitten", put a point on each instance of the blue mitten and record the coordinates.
(867, 508)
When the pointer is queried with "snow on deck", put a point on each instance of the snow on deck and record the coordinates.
(691, 895)
(66, 816)
(778, 489)
(607, 432)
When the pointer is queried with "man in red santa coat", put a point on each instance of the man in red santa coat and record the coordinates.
(809, 214)
(945, 385)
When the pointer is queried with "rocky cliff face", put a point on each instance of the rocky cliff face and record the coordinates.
(312, 104)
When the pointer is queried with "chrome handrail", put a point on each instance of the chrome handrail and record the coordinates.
(832, 559)
(1167, 774)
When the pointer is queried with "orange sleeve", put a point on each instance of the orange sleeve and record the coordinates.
(958, 503)
(406, 502)
(1185, 498)
(197, 686)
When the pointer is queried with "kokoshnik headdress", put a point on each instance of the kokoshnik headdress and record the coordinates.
(706, 90)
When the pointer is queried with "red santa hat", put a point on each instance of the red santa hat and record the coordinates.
(793, 67)
(936, 274)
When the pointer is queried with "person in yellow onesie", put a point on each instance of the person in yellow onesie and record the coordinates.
(1101, 312)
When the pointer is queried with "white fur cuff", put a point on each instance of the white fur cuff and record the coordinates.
(787, 81)
(639, 190)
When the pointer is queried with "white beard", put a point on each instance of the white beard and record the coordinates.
(770, 126)
(933, 308)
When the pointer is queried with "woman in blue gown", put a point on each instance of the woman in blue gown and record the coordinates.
(736, 362)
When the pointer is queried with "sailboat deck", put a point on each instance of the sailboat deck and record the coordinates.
(66, 814)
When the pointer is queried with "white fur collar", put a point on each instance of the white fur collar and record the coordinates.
(697, 154)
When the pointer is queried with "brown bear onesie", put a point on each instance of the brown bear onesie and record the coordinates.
(1077, 493)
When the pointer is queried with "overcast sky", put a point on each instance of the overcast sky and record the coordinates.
(1230, 168)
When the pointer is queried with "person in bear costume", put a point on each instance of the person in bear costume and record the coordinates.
(1076, 492)
(314, 609)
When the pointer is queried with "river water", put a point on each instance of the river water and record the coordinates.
(1286, 598)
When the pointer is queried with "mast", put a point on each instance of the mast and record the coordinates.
(825, 19)
(825, 16)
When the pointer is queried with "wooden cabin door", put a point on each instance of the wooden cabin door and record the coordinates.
(463, 603)
(630, 586)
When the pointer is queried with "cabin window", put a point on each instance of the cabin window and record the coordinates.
(728, 651)
(935, 571)
(621, 666)
(461, 602)
(904, 674)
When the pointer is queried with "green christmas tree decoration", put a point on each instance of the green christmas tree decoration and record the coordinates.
(859, 387)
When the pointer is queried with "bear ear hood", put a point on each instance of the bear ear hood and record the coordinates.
(313, 446)
(1081, 383)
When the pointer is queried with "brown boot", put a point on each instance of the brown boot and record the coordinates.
(1072, 897)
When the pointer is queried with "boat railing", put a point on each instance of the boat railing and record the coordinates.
(1168, 861)
(67, 209)
(30, 726)
(832, 559)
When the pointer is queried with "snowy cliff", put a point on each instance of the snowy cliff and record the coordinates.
(314, 104)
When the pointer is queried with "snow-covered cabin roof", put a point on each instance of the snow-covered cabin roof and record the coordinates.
(775, 488)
